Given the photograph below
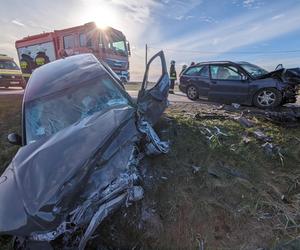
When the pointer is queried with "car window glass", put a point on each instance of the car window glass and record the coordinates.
(84, 40)
(154, 73)
(204, 72)
(221, 72)
(69, 42)
(8, 65)
(47, 116)
(253, 70)
(198, 71)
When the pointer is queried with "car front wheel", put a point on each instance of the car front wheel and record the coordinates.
(192, 92)
(267, 98)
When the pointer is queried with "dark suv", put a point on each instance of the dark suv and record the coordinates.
(242, 82)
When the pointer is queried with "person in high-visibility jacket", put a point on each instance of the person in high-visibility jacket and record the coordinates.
(173, 77)
(27, 64)
(41, 58)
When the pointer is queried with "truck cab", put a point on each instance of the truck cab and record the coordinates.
(108, 45)
(10, 73)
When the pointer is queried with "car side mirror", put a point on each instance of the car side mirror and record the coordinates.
(14, 139)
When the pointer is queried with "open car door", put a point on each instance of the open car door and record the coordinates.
(153, 101)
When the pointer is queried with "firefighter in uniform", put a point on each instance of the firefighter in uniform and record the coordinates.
(173, 77)
(41, 58)
(184, 67)
(27, 64)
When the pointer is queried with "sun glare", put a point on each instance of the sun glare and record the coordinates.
(103, 16)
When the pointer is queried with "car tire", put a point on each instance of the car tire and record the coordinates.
(267, 98)
(192, 92)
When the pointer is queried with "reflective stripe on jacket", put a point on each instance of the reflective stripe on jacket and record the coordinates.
(173, 75)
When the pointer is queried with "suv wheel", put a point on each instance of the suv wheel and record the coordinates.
(267, 98)
(192, 92)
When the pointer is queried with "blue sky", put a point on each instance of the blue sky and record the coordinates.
(191, 30)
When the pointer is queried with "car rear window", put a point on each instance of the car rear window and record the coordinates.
(46, 116)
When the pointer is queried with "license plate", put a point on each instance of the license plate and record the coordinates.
(14, 82)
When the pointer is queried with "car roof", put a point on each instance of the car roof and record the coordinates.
(221, 62)
(62, 74)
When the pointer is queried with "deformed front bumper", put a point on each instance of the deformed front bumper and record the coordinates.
(290, 94)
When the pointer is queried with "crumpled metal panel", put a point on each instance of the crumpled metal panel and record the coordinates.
(73, 179)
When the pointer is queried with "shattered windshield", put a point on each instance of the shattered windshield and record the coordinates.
(253, 70)
(46, 116)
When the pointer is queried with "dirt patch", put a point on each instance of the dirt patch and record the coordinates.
(222, 193)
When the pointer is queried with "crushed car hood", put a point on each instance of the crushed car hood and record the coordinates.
(291, 76)
(43, 174)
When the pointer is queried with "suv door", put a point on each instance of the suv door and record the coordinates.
(228, 84)
(152, 102)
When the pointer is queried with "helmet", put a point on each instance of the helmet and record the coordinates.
(184, 66)
(26, 51)
(41, 49)
(172, 62)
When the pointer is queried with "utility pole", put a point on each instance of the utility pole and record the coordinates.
(146, 55)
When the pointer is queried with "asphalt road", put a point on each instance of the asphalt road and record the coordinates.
(178, 97)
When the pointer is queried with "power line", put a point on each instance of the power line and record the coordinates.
(228, 52)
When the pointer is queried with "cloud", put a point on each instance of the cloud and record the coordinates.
(139, 11)
(278, 16)
(207, 19)
(16, 22)
(179, 18)
(249, 4)
(238, 32)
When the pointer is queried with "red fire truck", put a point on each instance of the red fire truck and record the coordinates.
(109, 45)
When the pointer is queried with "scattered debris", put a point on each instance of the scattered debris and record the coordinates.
(213, 136)
(261, 136)
(196, 169)
(245, 139)
(288, 116)
(235, 105)
(245, 122)
(222, 170)
(272, 150)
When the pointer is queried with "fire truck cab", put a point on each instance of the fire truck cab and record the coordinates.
(108, 45)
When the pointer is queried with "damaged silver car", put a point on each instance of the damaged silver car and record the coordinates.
(83, 137)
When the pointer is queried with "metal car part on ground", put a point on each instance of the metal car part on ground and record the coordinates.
(75, 169)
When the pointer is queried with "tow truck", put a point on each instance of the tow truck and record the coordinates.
(10, 73)
(108, 45)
